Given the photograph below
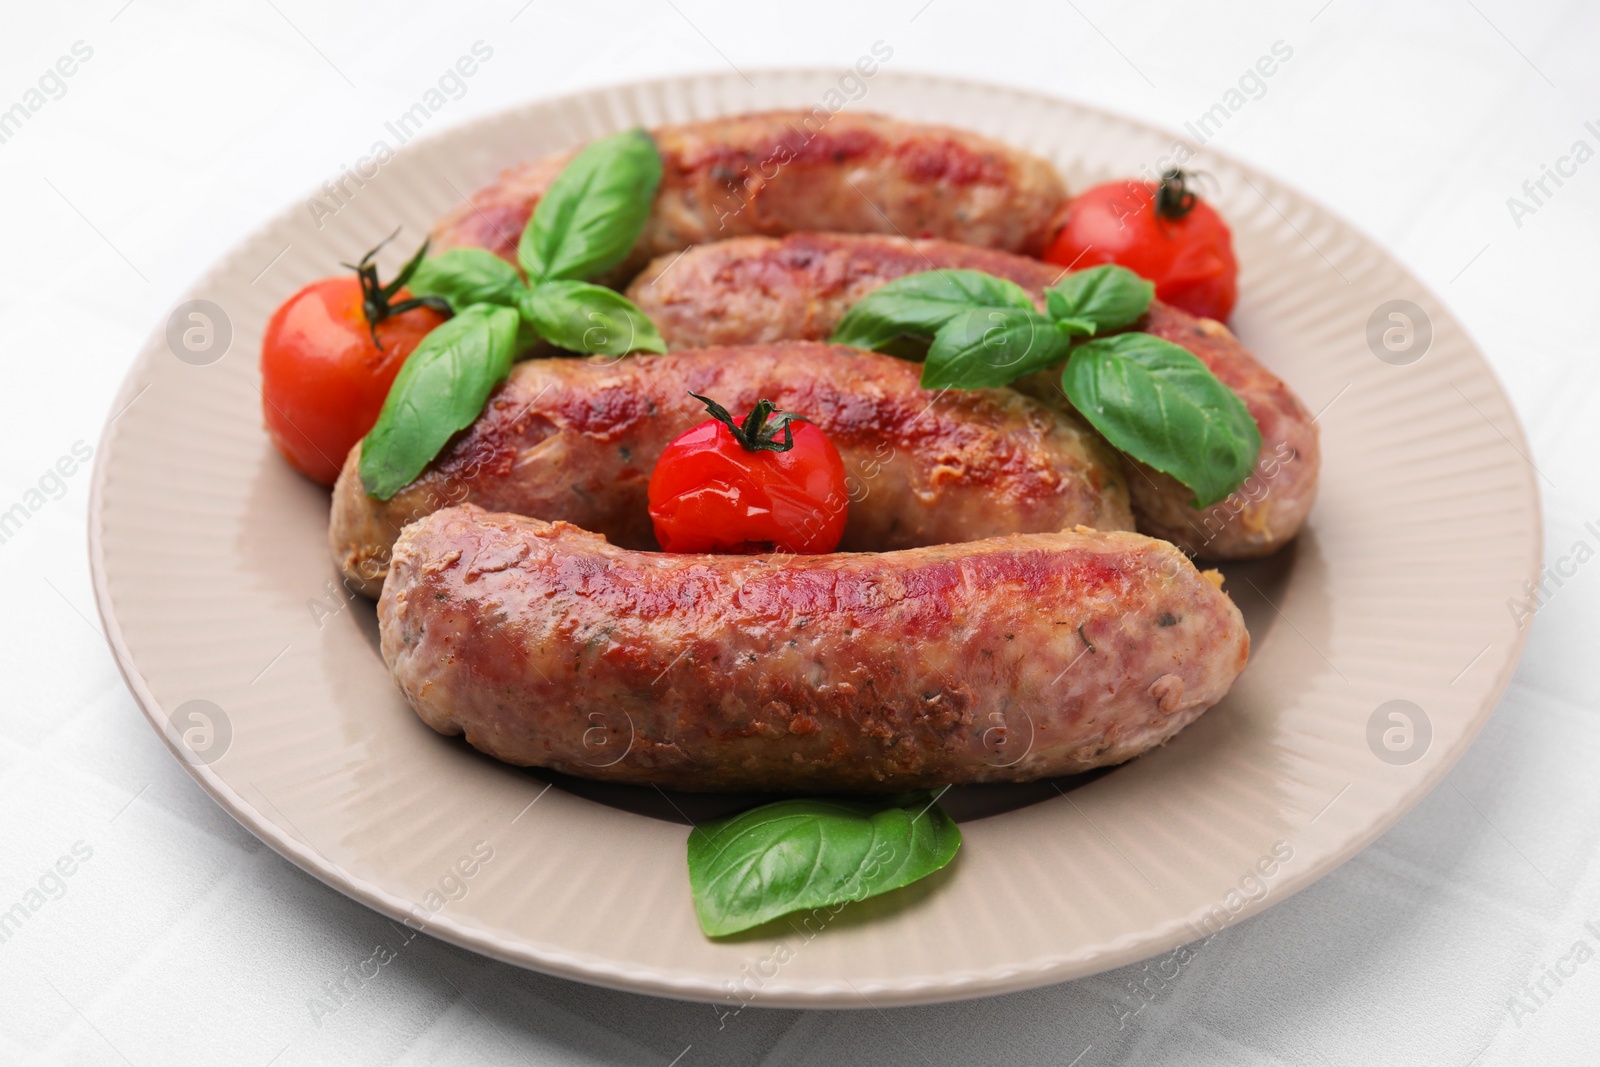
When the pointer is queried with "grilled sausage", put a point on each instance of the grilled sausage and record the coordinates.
(781, 171)
(1007, 659)
(576, 439)
(756, 289)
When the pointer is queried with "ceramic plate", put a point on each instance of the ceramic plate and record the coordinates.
(1381, 640)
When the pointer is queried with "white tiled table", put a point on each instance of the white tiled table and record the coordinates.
(179, 939)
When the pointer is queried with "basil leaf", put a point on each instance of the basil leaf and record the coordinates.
(588, 318)
(794, 854)
(1111, 297)
(441, 389)
(1162, 406)
(593, 212)
(919, 304)
(992, 346)
(1074, 327)
(466, 276)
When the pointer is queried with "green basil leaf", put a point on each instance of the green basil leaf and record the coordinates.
(441, 389)
(919, 304)
(795, 854)
(992, 346)
(1162, 406)
(1111, 297)
(591, 319)
(593, 212)
(466, 276)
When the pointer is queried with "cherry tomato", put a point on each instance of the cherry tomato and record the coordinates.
(1159, 230)
(754, 486)
(328, 357)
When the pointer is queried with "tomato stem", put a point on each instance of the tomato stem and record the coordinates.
(756, 433)
(376, 297)
(1174, 199)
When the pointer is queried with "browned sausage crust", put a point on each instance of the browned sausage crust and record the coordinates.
(549, 647)
(576, 440)
(757, 289)
(780, 171)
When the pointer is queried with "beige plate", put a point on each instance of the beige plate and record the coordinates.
(214, 582)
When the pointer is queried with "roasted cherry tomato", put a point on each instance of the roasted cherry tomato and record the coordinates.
(771, 483)
(1159, 230)
(328, 357)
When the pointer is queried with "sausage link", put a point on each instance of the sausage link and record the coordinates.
(758, 289)
(780, 171)
(576, 440)
(1008, 659)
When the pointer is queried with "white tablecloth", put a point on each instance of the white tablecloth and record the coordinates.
(157, 132)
